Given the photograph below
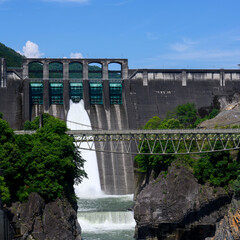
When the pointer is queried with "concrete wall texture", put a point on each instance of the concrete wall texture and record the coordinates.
(145, 93)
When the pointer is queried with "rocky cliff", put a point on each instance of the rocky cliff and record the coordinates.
(176, 207)
(229, 227)
(229, 116)
(38, 220)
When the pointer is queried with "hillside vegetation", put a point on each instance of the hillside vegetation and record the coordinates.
(13, 59)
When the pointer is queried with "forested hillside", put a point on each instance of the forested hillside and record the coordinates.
(13, 59)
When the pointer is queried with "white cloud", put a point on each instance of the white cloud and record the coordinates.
(31, 50)
(183, 46)
(68, 1)
(76, 55)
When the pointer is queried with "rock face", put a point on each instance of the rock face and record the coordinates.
(176, 207)
(229, 115)
(52, 221)
(229, 227)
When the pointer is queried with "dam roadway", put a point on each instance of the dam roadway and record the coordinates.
(157, 142)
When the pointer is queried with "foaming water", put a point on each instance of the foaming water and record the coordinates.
(101, 216)
(106, 221)
(89, 188)
(104, 217)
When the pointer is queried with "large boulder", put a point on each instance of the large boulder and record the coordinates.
(175, 206)
(52, 221)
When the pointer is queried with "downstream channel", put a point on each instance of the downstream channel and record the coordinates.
(102, 217)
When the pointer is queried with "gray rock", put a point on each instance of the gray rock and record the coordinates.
(175, 207)
(228, 116)
(229, 227)
(39, 221)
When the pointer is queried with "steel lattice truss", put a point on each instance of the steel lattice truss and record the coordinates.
(158, 142)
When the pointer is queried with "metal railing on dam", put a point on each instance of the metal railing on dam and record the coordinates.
(156, 142)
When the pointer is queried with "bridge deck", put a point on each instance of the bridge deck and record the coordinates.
(155, 142)
(158, 131)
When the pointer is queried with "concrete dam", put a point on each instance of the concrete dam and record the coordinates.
(115, 97)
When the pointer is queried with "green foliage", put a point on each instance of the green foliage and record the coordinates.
(156, 123)
(170, 124)
(4, 191)
(13, 59)
(10, 160)
(32, 125)
(1, 115)
(211, 115)
(153, 123)
(157, 163)
(6, 133)
(218, 168)
(236, 185)
(46, 162)
(186, 114)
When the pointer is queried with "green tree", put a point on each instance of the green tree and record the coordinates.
(10, 160)
(186, 114)
(54, 163)
(153, 123)
(46, 162)
(4, 191)
(157, 163)
(217, 168)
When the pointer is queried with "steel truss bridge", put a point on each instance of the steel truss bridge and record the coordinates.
(155, 142)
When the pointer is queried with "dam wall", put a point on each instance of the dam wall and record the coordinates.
(155, 92)
(114, 99)
(11, 96)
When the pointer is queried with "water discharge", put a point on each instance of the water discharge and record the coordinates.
(102, 217)
(90, 187)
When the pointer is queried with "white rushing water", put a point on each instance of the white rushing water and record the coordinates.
(89, 188)
(102, 217)
(106, 221)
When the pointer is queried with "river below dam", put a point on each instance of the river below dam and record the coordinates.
(106, 218)
(101, 217)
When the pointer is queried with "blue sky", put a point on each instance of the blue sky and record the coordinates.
(151, 34)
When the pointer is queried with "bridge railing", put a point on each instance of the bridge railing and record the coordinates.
(156, 142)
